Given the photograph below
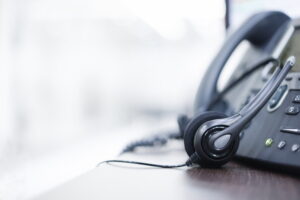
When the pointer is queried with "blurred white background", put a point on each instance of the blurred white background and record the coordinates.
(79, 79)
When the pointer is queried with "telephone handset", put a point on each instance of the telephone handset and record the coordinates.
(263, 30)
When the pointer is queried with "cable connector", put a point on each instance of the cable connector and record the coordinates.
(192, 160)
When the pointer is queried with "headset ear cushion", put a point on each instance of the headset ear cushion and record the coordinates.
(193, 126)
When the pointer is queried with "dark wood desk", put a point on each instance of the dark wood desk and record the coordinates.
(123, 181)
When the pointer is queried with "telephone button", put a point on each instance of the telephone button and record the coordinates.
(292, 110)
(297, 99)
(277, 96)
(295, 147)
(288, 78)
(290, 130)
(281, 144)
(268, 142)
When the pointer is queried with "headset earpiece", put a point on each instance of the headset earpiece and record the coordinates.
(206, 156)
(194, 124)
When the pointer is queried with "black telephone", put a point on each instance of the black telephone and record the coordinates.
(256, 117)
(272, 138)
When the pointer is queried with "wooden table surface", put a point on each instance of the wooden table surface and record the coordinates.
(122, 181)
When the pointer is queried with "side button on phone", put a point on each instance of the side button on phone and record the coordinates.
(295, 147)
(297, 99)
(268, 142)
(292, 110)
(281, 144)
(289, 78)
(290, 130)
(273, 102)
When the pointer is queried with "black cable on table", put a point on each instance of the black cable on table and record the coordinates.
(192, 159)
(142, 163)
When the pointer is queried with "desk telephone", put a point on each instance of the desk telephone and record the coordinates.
(256, 116)
(272, 137)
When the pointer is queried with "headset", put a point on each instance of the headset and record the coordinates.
(211, 138)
